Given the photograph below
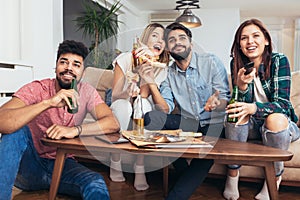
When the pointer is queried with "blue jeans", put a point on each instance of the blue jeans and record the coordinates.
(255, 129)
(191, 176)
(157, 120)
(22, 166)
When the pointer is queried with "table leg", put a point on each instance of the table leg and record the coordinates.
(57, 170)
(165, 177)
(271, 180)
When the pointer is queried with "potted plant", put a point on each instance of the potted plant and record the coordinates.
(101, 25)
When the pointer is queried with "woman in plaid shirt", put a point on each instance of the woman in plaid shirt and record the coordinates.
(263, 109)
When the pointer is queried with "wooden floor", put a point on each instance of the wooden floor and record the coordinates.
(211, 189)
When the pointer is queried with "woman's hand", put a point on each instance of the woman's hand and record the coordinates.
(146, 73)
(133, 90)
(241, 110)
(143, 50)
(243, 80)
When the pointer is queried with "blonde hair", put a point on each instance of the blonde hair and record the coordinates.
(164, 56)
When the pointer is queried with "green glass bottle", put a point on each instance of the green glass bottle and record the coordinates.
(234, 98)
(74, 109)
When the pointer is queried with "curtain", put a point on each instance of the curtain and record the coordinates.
(297, 46)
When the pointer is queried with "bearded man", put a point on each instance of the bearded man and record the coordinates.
(40, 109)
(198, 85)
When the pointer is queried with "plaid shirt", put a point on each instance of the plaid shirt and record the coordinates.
(277, 89)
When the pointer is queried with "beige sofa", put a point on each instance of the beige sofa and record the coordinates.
(102, 79)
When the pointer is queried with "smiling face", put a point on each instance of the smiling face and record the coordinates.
(179, 44)
(68, 67)
(253, 42)
(156, 41)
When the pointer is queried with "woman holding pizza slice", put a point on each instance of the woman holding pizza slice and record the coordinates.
(129, 82)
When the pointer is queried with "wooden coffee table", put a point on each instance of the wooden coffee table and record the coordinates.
(224, 151)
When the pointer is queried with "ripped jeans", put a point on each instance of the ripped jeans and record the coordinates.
(255, 129)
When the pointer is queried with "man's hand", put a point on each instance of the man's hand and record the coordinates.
(60, 99)
(58, 132)
(213, 102)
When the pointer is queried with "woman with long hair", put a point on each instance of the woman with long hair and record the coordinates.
(151, 45)
(263, 109)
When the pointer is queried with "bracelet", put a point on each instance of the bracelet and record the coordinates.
(79, 129)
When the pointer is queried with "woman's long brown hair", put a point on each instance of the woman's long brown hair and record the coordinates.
(239, 57)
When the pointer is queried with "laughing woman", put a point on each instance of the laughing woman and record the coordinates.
(264, 109)
(152, 45)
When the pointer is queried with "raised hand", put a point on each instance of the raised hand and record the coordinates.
(213, 102)
(60, 99)
(243, 80)
(146, 72)
(143, 50)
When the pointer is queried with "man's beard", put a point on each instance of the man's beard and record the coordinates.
(61, 83)
(182, 55)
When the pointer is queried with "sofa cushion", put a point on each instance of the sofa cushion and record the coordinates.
(295, 92)
(294, 148)
(101, 79)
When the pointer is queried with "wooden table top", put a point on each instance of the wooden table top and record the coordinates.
(223, 149)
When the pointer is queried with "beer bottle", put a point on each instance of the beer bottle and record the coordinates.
(73, 110)
(138, 117)
(234, 98)
(135, 60)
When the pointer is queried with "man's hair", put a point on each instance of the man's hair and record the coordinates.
(71, 46)
(176, 26)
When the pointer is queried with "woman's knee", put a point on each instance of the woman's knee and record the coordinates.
(147, 106)
(276, 122)
(121, 108)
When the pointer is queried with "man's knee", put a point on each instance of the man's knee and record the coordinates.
(154, 120)
(96, 189)
(17, 139)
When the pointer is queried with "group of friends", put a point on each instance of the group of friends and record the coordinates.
(194, 83)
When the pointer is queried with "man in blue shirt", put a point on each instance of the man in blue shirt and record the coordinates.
(197, 84)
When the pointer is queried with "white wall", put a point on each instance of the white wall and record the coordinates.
(31, 31)
(34, 30)
(133, 24)
(10, 30)
(217, 31)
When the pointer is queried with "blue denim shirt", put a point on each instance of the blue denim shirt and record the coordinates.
(192, 88)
